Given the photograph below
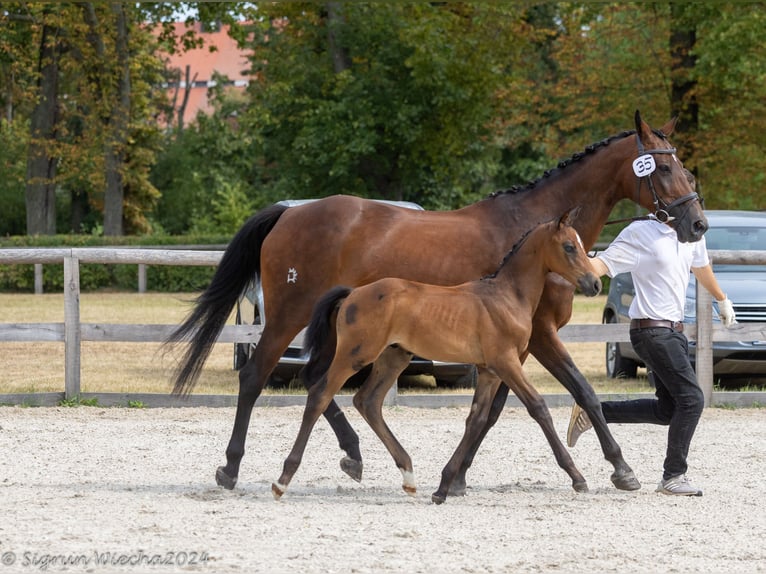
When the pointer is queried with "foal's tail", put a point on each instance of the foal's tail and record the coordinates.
(320, 338)
(240, 262)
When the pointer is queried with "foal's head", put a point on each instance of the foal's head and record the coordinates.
(564, 253)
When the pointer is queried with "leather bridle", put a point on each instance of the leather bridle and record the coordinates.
(644, 166)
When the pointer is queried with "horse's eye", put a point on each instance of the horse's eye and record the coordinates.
(569, 248)
(664, 168)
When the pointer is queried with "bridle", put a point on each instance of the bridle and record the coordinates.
(644, 166)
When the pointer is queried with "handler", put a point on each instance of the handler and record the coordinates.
(660, 266)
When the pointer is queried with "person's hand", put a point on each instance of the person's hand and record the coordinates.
(726, 312)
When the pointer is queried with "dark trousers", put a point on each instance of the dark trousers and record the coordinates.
(679, 401)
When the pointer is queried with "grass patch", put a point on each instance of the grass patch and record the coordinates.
(78, 401)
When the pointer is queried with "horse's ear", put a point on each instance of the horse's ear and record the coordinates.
(668, 128)
(642, 128)
(568, 219)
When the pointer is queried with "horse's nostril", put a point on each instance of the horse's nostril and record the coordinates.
(700, 227)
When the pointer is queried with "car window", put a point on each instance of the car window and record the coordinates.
(736, 238)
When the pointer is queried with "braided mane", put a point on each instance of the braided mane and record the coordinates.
(567, 162)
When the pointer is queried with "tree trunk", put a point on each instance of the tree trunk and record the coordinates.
(117, 140)
(683, 37)
(340, 58)
(40, 193)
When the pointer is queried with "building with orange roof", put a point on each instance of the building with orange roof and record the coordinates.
(196, 69)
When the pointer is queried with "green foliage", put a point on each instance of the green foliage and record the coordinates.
(93, 277)
(437, 103)
(13, 141)
(210, 162)
(78, 401)
(406, 115)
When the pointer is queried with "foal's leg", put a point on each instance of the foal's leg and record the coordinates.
(369, 402)
(553, 312)
(252, 380)
(486, 387)
(319, 396)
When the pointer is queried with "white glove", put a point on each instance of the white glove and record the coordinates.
(726, 312)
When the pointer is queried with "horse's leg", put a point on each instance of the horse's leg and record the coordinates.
(368, 400)
(486, 388)
(547, 347)
(252, 379)
(554, 357)
(319, 397)
(538, 410)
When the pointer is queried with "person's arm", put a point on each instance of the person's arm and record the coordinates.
(599, 267)
(707, 279)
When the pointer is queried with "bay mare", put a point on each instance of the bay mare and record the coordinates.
(301, 252)
(486, 322)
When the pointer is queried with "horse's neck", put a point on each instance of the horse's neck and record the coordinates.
(595, 184)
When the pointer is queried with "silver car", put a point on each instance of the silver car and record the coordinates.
(745, 285)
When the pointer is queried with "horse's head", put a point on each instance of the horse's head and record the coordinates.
(565, 254)
(664, 185)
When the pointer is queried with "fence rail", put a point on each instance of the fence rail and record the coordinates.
(72, 331)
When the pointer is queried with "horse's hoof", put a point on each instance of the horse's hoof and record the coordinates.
(437, 498)
(223, 479)
(625, 481)
(580, 486)
(457, 488)
(277, 490)
(352, 467)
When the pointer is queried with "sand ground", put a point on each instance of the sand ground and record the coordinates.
(94, 489)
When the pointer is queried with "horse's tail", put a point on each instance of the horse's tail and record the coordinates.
(239, 264)
(320, 338)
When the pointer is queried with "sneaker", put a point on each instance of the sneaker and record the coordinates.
(578, 424)
(678, 486)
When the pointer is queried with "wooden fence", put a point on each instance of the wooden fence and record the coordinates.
(72, 331)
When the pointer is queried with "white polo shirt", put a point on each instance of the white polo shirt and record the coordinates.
(660, 266)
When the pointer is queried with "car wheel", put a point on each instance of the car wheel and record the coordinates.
(618, 366)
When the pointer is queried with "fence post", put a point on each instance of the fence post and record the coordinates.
(38, 278)
(704, 356)
(142, 278)
(72, 331)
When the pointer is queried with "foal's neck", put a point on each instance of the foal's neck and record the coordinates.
(524, 271)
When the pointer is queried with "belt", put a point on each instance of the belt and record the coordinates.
(677, 326)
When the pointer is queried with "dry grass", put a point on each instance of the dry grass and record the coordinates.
(143, 368)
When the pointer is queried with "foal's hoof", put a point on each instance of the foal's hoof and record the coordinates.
(352, 467)
(277, 490)
(625, 481)
(581, 486)
(223, 479)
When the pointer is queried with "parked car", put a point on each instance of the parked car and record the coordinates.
(745, 285)
(250, 311)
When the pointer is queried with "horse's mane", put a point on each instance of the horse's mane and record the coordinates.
(567, 162)
(513, 251)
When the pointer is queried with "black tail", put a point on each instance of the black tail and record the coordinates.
(240, 262)
(320, 335)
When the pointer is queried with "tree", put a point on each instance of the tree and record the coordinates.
(392, 100)
(41, 159)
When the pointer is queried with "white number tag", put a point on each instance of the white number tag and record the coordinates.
(644, 165)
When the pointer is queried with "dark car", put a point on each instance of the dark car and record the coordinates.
(745, 285)
(250, 311)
